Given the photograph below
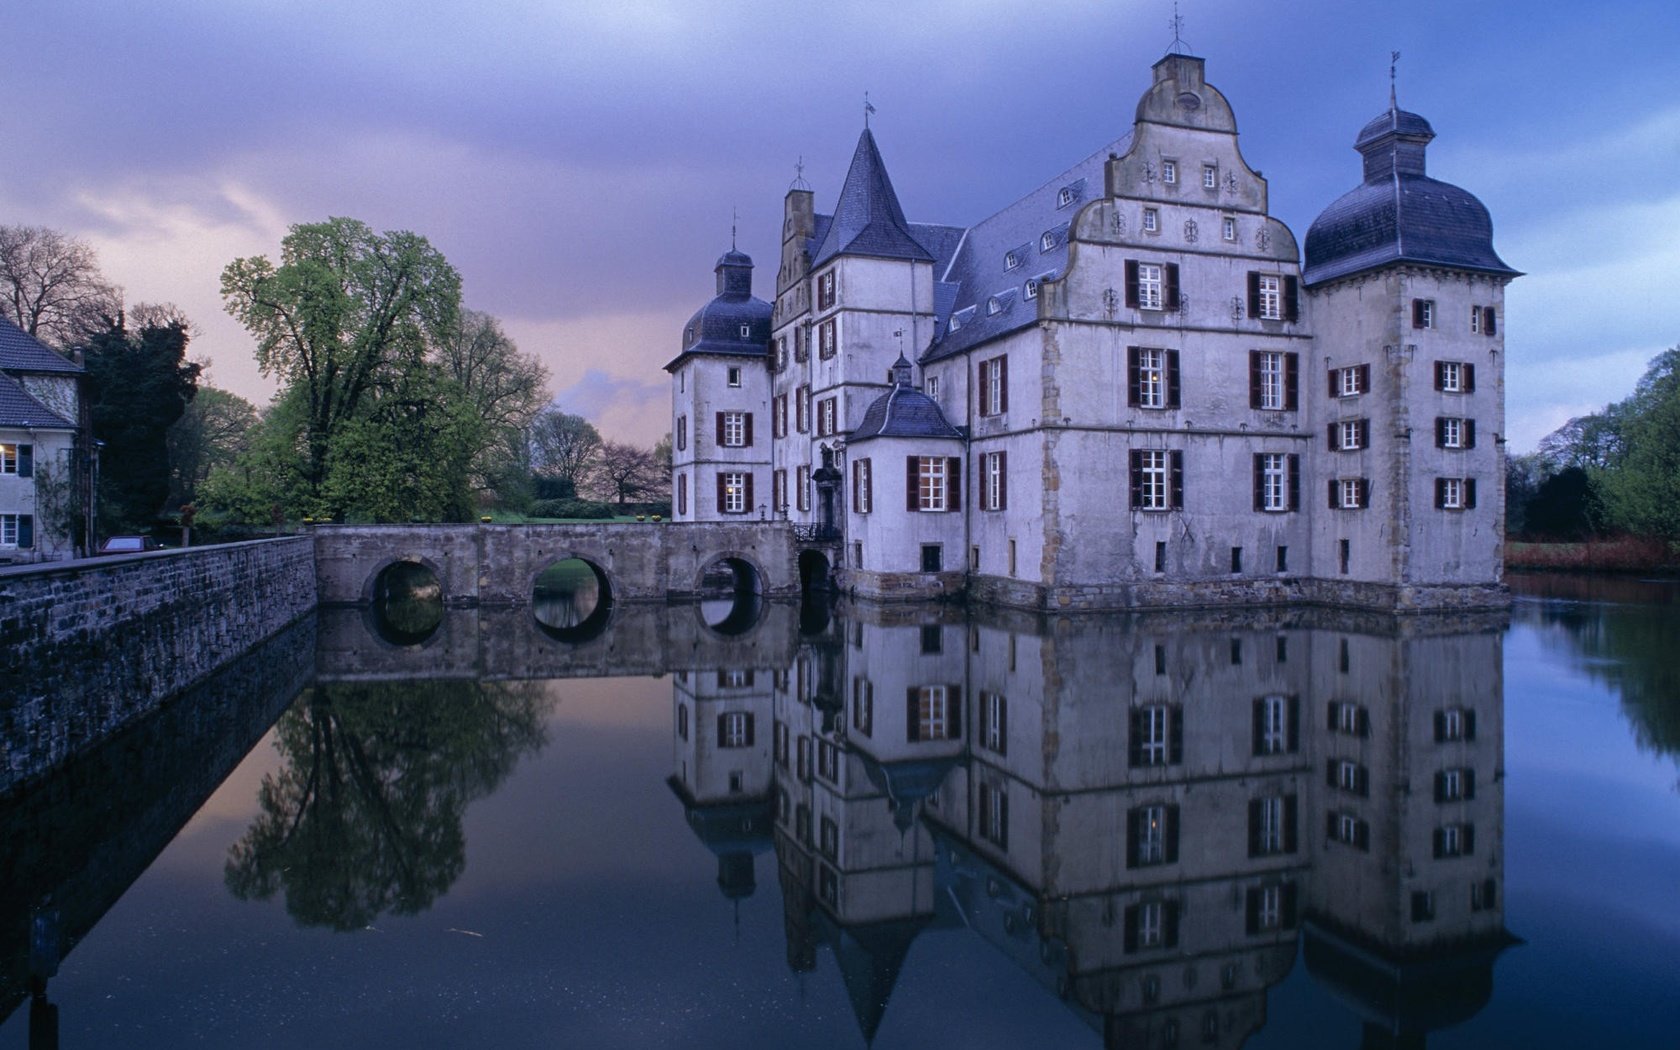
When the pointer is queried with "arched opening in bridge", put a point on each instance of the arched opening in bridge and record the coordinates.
(815, 573)
(407, 603)
(731, 595)
(571, 600)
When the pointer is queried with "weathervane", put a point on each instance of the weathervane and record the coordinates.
(1393, 62)
(868, 108)
(799, 182)
(734, 220)
(1179, 45)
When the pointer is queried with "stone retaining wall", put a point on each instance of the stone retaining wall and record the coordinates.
(87, 647)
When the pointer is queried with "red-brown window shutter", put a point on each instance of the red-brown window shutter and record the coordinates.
(1172, 378)
(856, 508)
(1469, 493)
(1291, 299)
(1468, 373)
(870, 487)
(1335, 502)
(1132, 283)
(912, 478)
(953, 483)
(1490, 324)
(1003, 480)
(1259, 481)
(1364, 496)
(1137, 477)
(1175, 466)
(1253, 294)
(1467, 432)
(1169, 274)
(748, 503)
(1294, 481)
(1332, 435)
(1254, 379)
(1417, 313)
(1364, 433)
(747, 428)
(1134, 377)
(721, 504)
(912, 711)
(1334, 388)
(1003, 383)
(720, 430)
(1291, 381)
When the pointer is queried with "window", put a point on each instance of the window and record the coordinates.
(828, 761)
(17, 531)
(1348, 776)
(826, 422)
(1276, 728)
(1282, 559)
(1277, 481)
(1455, 723)
(734, 429)
(1344, 552)
(1274, 380)
(1274, 297)
(863, 706)
(1157, 479)
(1483, 320)
(1210, 176)
(781, 744)
(1152, 836)
(1270, 908)
(1455, 493)
(1423, 313)
(682, 493)
(1455, 840)
(1229, 228)
(829, 838)
(1351, 381)
(994, 723)
(682, 433)
(1271, 825)
(1151, 377)
(1047, 242)
(778, 489)
(734, 373)
(930, 387)
(933, 639)
(1483, 895)
(933, 483)
(802, 409)
(1349, 719)
(1455, 785)
(801, 351)
(933, 713)
(1423, 906)
(825, 290)
(1011, 260)
(828, 338)
(1455, 432)
(994, 481)
(1152, 925)
(802, 482)
(735, 729)
(1169, 172)
(734, 492)
(1157, 735)
(1151, 220)
(1030, 290)
(1236, 559)
(1350, 493)
(780, 361)
(1349, 435)
(1455, 377)
(863, 486)
(1151, 286)
(802, 758)
(1348, 829)
(994, 386)
(994, 814)
(933, 557)
(779, 417)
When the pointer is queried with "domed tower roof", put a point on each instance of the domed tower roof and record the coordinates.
(1400, 214)
(734, 323)
(903, 412)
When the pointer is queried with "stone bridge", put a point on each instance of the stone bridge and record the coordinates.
(496, 565)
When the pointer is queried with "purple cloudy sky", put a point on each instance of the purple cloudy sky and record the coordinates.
(578, 160)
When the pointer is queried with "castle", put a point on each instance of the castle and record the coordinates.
(1127, 388)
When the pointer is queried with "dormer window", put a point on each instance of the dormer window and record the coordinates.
(994, 305)
(1064, 197)
(688, 336)
(1047, 242)
(1011, 260)
(1031, 289)
(956, 323)
(1151, 220)
(1169, 172)
(746, 331)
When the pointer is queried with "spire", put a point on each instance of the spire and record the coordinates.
(1179, 45)
(867, 218)
(1393, 97)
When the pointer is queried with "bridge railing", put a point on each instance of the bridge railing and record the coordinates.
(817, 533)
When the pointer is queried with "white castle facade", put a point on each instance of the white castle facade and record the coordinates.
(1127, 388)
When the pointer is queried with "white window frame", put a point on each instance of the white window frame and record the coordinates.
(1149, 924)
(933, 490)
(9, 530)
(1151, 220)
(1155, 729)
(1210, 176)
(1348, 493)
(1347, 828)
(1452, 377)
(1150, 277)
(1011, 260)
(734, 430)
(1347, 775)
(9, 458)
(994, 825)
(865, 490)
(1271, 297)
(734, 732)
(933, 712)
(991, 386)
(1155, 466)
(1047, 242)
(1347, 435)
(1347, 717)
(1452, 493)
(734, 492)
(1169, 172)
(1347, 382)
(1452, 723)
(1452, 785)
(1030, 289)
(1272, 373)
(733, 376)
(1274, 473)
(1271, 825)
(1152, 839)
(992, 708)
(1426, 312)
(991, 466)
(930, 386)
(1274, 724)
(826, 416)
(1271, 907)
(1229, 226)
(1475, 320)
(1452, 432)
(1152, 376)
(1064, 196)
(802, 478)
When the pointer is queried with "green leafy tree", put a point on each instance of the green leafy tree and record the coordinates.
(214, 431)
(506, 390)
(364, 819)
(139, 384)
(1640, 486)
(344, 310)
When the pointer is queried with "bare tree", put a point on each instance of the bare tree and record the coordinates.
(51, 287)
(564, 447)
(505, 385)
(625, 473)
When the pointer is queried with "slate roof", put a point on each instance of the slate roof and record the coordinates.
(1400, 214)
(716, 327)
(19, 409)
(22, 352)
(903, 411)
(867, 218)
(980, 290)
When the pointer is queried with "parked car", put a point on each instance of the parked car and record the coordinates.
(129, 545)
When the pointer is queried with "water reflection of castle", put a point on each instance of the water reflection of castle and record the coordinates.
(1151, 815)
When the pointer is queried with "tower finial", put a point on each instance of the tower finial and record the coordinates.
(1393, 75)
(799, 182)
(1179, 45)
(868, 108)
(734, 220)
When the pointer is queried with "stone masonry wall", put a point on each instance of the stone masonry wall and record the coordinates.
(88, 647)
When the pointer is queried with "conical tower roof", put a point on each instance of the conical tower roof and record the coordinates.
(868, 219)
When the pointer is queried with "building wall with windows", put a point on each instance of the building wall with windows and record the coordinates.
(45, 489)
(1158, 397)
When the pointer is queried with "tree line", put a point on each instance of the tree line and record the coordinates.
(396, 402)
(1612, 472)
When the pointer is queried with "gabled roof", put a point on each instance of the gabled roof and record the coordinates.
(22, 352)
(981, 289)
(867, 218)
(19, 409)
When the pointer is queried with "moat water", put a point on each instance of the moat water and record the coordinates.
(899, 828)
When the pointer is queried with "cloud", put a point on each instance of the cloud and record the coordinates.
(634, 410)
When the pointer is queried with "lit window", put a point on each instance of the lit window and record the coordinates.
(1151, 835)
(1151, 220)
(1152, 377)
(1210, 176)
(1149, 286)
(734, 493)
(14, 458)
(1169, 172)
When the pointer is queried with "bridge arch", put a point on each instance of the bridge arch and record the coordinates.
(404, 601)
(731, 586)
(572, 598)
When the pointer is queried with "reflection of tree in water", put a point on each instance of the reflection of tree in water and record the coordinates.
(366, 816)
(1633, 650)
